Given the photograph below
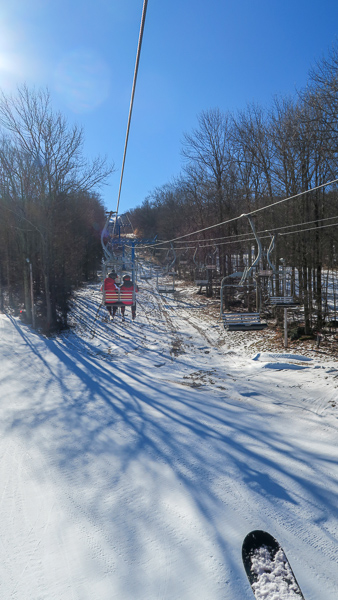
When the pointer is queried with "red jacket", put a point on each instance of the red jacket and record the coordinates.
(109, 284)
(128, 286)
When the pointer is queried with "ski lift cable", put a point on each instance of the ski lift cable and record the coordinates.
(253, 212)
(229, 237)
(238, 235)
(138, 54)
(309, 229)
(252, 239)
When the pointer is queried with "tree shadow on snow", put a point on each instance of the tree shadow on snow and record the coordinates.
(137, 455)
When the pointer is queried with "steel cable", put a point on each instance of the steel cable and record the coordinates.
(138, 54)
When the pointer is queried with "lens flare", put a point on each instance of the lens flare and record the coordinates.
(83, 80)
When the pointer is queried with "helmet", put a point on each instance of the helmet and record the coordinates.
(126, 278)
(112, 275)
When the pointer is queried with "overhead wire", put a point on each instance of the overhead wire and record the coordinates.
(248, 214)
(237, 235)
(138, 54)
(309, 229)
(252, 238)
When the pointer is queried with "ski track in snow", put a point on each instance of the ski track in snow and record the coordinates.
(137, 456)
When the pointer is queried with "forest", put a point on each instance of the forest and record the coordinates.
(51, 213)
(284, 157)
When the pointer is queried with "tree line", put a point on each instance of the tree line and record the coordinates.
(51, 213)
(237, 163)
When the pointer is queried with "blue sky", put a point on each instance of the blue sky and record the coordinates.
(196, 55)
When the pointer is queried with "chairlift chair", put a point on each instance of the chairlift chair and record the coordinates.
(242, 321)
(286, 299)
(205, 274)
(165, 287)
(239, 321)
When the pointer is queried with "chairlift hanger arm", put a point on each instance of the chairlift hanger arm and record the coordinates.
(174, 257)
(270, 249)
(259, 254)
(260, 250)
(105, 233)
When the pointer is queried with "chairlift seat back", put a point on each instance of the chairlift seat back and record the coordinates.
(120, 297)
(202, 282)
(243, 322)
(283, 301)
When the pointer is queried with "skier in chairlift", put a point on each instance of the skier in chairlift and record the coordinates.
(128, 285)
(109, 284)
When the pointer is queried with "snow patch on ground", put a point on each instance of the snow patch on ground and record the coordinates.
(292, 358)
(135, 457)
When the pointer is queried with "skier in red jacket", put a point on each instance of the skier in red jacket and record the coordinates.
(109, 285)
(129, 286)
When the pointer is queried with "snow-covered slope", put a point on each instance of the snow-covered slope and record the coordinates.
(135, 457)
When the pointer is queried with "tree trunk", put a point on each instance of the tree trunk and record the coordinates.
(47, 285)
(318, 296)
(306, 298)
(27, 298)
(1, 292)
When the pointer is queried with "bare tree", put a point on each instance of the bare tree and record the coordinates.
(208, 148)
(42, 159)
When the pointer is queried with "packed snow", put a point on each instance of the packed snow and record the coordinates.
(136, 456)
